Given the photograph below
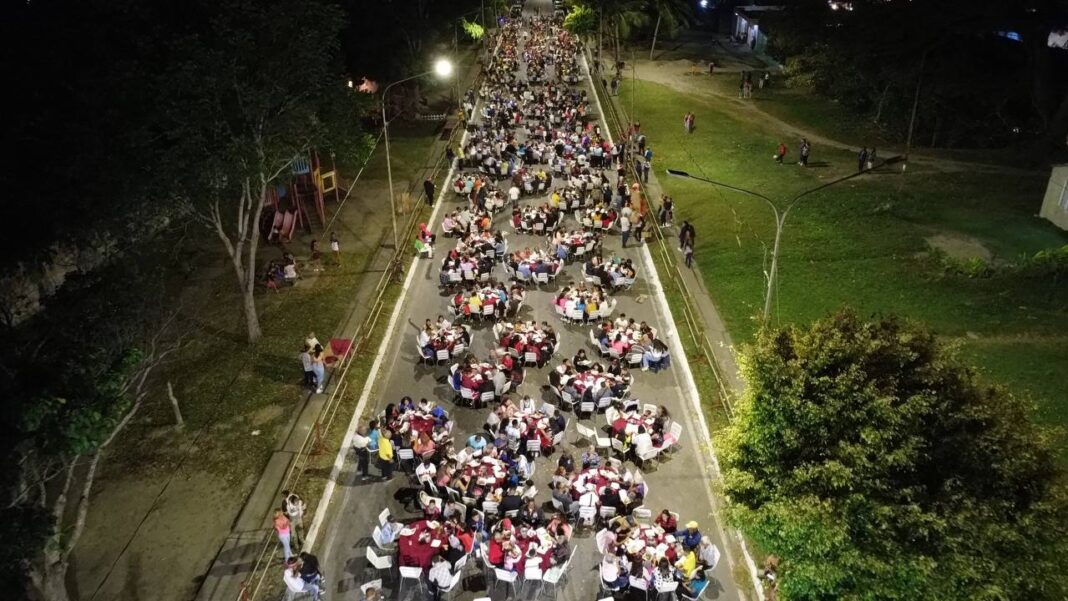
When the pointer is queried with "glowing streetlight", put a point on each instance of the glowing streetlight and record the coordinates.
(443, 68)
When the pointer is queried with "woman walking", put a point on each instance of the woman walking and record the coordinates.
(319, 367)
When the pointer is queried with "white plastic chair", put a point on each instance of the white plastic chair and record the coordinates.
(410, 573)
(507, 576)
(379, 563)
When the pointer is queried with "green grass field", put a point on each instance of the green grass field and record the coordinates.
(864, 242)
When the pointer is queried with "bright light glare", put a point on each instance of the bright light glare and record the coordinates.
(703, 3)
(443, 68)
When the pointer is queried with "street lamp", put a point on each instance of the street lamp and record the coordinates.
(780, 214)
(442, 68)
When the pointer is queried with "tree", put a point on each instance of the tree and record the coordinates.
(673, 14)
(581, 21)
(254, 87)
(875, 466)
(71, 380)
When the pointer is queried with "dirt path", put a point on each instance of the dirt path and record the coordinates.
(675, 74)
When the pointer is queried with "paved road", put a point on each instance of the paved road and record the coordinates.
(677, 482)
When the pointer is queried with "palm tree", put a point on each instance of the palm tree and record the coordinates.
(673, 14)
(622, 17)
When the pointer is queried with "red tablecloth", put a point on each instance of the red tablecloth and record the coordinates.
(412, 552)
(524, 545)
(620, 424)
(420, 423)
(484, 469)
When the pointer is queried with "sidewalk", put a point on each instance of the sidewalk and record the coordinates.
(237, 556)
(715, 328)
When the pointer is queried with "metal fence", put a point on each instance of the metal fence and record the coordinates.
(618, 122)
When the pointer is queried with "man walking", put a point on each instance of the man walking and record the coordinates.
(805, 148)
(624, 228)
(428, 187)
(862, 159)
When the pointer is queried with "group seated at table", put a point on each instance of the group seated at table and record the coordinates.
(470, 266)
(643, 431)
(583, 302)
(518, 424)
(596, 385)
(481, 382)
(575, 244)
(443, 335)
(537, 220)
(597, 483)
(424, 427)
(532, 264)
(600, 216)
(465, 222)
(530, 542)
(652, 557)
(481, 193)
(521, 337)
(615, 272)
(488, 244)
(635, 343)
(492, 300)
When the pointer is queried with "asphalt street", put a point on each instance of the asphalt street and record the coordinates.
(677, 481)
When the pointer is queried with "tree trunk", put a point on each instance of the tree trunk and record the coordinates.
(882, 102)
(244, 267)
(179, 423)
(656, 30)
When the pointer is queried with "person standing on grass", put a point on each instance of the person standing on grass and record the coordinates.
(666, 210)
(805, 149)
(319, 367)
(282, 529)
(309, 372)
(294, 507)
(780, 153)
(428, 188)
(335, 247)
(385, 454)
(862, 159)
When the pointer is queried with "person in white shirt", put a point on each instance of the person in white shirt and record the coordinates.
(360, 444)
(425, 471)
(643, 442)
(707, 553)
(390, 531)
(513, 195)
(296, 584)
(439, 576)
(527, 405)
(294, 507)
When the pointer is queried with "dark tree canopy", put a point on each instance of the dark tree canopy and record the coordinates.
(985, 72)
(870, 460)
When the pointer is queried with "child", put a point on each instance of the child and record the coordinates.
(780, 153)
(688, 251)
(512, 555)
(335, 247)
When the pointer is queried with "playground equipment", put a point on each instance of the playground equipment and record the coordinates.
(288, 204)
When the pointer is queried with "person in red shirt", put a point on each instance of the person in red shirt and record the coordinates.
(667, 521)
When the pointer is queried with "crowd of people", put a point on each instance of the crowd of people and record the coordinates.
(614, 272)
(582, 302)
(442, 335)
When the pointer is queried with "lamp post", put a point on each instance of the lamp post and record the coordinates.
(442, 68)
(780, 215)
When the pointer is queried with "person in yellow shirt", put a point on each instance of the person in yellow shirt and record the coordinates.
(385, 454)
(686, 563)
(554, 200)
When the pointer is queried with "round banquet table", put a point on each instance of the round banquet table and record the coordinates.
(524, 545)
(485, 474)
(621, 424)
(413, 552)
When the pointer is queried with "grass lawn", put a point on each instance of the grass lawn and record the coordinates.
(863, 243)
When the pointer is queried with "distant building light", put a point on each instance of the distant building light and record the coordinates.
(836, 5)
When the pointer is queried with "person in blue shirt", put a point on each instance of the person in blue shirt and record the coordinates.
(692, 588)
(690, 538)
(407, 404)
